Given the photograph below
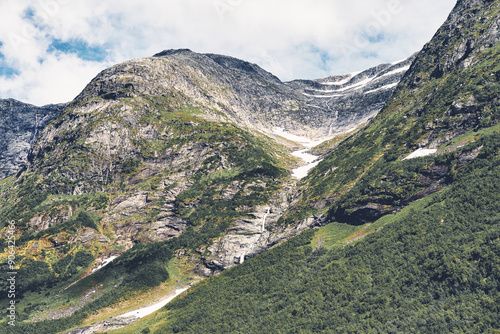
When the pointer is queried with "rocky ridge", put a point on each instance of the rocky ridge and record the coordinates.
(20, 126)
(353, 98)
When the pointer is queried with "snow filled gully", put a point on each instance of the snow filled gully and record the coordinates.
(310, 159)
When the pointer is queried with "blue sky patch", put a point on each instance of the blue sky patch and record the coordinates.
(6, 70)
(79, 47)
(375, 38)
(323, 55)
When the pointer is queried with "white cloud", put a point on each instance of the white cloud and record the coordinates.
(292, 39)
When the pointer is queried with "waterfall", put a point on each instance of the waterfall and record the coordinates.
(264, 219)
(242, 258)
(36, 129)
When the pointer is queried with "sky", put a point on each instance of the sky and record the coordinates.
(50, 49)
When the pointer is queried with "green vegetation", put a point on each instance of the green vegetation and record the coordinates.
(138, 269)
(433, 267)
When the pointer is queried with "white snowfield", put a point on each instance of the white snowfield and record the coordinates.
(142, 312)
(105, 262)
(382, 88)
(421, 152)
(302, 172)
(310, 159)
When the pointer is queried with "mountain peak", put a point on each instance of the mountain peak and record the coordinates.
(171, 52)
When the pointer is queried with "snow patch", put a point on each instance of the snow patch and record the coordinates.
(396, 71)
(142, 312)
(421, 152)
(307, 157)
(302, 172)
(322, 96)
(357, 85)
(104, 263)
(310, 159)
(382, 88)
(304, 141)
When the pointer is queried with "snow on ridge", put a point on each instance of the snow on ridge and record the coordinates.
(399, 61)
(342, 82)
(323, 96)
(398, 70)
(368, 80)
(357, 85)
(382, 88)
(421, 152)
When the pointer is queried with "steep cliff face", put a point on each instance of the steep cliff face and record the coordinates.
(20, 125)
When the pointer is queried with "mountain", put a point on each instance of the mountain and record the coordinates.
(20, 125)
(177, 157)
(169, 169)
(155, 129)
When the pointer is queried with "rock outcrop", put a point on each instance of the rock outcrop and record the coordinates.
(20, 126)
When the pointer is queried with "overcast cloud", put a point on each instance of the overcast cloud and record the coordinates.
(50, 49)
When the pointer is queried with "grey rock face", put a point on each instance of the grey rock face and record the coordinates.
(457, 42)
(20, 125)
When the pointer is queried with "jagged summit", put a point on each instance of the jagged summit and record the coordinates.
(247, 95)
(170, 52)
(225, 61)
